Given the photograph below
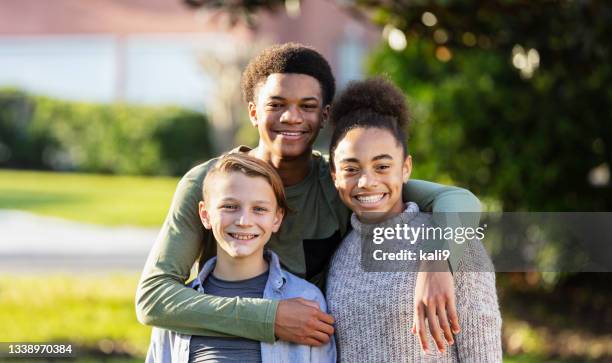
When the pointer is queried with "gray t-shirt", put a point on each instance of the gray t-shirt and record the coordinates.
(220, 349)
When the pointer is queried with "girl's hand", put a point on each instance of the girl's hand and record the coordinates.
(434, 302)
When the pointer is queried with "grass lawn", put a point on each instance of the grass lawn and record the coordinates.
(527, 358)
(100, 199)
(94, 312)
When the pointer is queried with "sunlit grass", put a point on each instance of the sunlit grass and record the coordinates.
(100, 199)
(531, 358)
(94, 312)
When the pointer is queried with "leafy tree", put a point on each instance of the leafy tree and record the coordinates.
(512, 96)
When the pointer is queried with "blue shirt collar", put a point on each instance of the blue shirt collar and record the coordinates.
(276, 276)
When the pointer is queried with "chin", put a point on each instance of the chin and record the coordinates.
(241, 254)
(293, 155)
(292, 151)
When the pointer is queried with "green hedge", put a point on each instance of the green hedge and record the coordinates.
(44, 133)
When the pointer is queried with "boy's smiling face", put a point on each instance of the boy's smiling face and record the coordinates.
(288, 114)
(242, 213)
(369, 173)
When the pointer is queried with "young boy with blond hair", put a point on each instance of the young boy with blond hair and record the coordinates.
(243, 204)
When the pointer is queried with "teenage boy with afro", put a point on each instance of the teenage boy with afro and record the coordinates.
(288, 89)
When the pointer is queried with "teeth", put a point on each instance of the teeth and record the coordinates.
(289, 133)
(241, 236)
(370, 198)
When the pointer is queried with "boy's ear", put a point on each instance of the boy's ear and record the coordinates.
(407, 168)
(278, 219)
(253, 113)
(204, 215)
(325, 115)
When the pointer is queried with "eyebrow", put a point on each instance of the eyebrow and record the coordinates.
(382, 156)
(230, 199)
(305, 99)
(376, 158)
(262, 202)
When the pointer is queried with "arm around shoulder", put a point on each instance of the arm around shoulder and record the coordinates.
(434, 197)
(170, 260)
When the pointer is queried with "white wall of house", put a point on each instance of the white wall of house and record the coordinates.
(144, 68)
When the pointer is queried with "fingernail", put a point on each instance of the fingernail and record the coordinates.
(452, 342)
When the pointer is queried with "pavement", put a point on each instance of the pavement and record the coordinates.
(30, 242)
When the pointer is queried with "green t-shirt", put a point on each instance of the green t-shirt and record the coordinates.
(318, 218)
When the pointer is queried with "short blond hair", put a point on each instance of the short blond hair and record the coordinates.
(249, 166)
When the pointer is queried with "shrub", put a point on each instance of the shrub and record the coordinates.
(44, 133)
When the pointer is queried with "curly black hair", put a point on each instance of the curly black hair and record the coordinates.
(288, 58)
(374, 102)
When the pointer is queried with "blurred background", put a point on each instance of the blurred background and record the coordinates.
(105, 103)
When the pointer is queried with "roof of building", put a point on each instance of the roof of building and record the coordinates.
(35, 17)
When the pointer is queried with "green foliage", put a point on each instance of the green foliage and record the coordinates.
(530, 140)
(39, 132)
(17, 144)
(184, 141)
(99, 199)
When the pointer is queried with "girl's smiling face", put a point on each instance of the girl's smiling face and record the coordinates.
(369, 172)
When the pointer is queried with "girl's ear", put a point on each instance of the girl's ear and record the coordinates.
(204, 217)
(278, 219)
(253, 113)
(407, 168)
(333, 175)
(332, 171)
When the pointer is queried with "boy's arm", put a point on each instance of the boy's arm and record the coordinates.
(434, 197)
(450, 207)
(434, 291)
(163, 300)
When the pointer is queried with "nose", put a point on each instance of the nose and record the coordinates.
(244, 219)
(367, 180)
(292, 115)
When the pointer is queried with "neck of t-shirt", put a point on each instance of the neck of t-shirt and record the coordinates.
(229, 268)
(292, 171)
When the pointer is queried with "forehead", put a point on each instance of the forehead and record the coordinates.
(364, 144)
(239, 186)
(290, 86)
